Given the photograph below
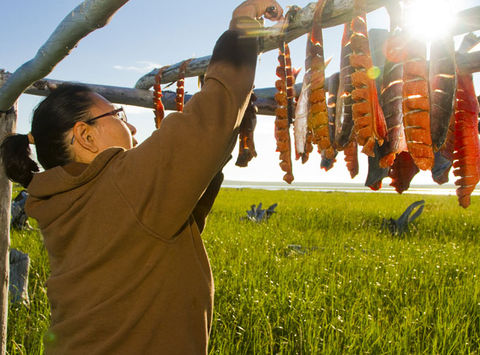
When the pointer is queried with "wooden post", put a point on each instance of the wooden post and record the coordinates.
(8, 122)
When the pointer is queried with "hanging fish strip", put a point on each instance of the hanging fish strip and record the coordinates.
(442, 88)
(444, 157)
(159, 109)
(246, 145)
(467, 146)
(282, 125)
(402, 172)
(351, 158)
(318, 117)
(416, 105)
(290, 79)
(326, 162)
(369, 122)
(180, 98)
(303, 137)
(302, 132)
(375, 173)
(391, 100)
(333, 83)
(343, 116)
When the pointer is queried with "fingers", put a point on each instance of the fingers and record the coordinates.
(273, 12)
(269, 9)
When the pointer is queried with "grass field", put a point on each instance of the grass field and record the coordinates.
(346, 286)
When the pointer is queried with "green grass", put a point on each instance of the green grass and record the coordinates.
(350, 288)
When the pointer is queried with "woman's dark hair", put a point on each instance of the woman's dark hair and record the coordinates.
(51, 121)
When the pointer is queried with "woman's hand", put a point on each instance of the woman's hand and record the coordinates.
(269, 9)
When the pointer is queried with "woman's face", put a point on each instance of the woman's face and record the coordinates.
(110, 130)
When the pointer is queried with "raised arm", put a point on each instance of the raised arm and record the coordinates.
(165, 176)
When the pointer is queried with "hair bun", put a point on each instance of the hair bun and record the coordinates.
(15, 155)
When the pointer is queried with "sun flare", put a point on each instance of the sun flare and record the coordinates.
(429, 19)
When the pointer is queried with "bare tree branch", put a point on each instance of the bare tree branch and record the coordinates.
(85, 18)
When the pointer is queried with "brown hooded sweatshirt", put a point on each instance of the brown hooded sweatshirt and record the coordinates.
(129, 271)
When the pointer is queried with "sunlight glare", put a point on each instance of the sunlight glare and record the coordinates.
(429, 19)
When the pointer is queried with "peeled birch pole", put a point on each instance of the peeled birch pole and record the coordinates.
(144, 98)
(336, 13)
(8, 123)
(87, 17)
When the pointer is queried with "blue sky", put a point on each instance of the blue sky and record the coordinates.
(149, 33)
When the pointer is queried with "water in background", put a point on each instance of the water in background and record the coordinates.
(448, 189)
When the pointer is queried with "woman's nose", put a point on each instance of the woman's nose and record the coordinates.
(132, 128)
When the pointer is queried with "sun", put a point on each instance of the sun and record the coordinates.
(428, 19)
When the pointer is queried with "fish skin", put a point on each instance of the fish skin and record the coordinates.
(442, 88)
(402, 172)
(391, 101)
(391, 96)
(375, 172)
(302, 133)
(343, 116)
(330, 153)
(444, 157)
(246, 146)
(300, 124)
(441, 168)
(327, 163)
(333, 84)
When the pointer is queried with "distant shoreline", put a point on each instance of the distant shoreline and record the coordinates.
(447, 189)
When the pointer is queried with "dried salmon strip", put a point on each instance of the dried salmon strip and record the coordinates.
(467, 146)
(442, 88)
(246, 146)
(290, 80)
(282, 124)
(343, 116)
(391, 99)
(180, 98)
(159, 109)
(402, 172)
(318, 116)
(369, 122)
(416, 111)
(351, 158)
(303, 137)
(444, 157)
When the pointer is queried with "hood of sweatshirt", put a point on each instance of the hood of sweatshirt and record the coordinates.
(48, 190)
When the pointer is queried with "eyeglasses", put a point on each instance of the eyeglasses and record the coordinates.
(118, 113)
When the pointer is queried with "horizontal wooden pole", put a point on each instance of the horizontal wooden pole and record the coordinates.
(144, 98)
(132, 96)
(336, 13)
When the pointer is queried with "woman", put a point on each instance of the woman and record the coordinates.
(129, 272)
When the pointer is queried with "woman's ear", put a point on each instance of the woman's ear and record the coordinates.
(84, 135)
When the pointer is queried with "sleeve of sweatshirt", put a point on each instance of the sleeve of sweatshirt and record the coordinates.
(204, 205)
(163, 178)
